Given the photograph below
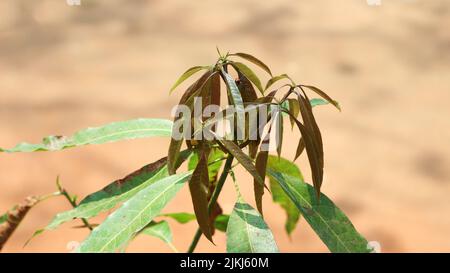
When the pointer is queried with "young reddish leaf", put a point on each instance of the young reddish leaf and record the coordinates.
(246, 88)
(215, 89)
(186, 99)
(215, 212)
(313, 156)
(300, 148)
(198, 186)
(323, 95)
(280, 128)
(188, 73)
(254, 60)
(249, 74)
(261, 165)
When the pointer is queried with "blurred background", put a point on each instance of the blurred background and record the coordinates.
(64, 68)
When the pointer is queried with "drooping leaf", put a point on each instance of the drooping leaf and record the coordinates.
(275, 79)
(300, 148)
(188, 73)
(279, 133)
(294, 108)
(323, 95)
(247, 232)
(326, 219)
(116, 192)
(254, 60)
(198, 186)
(160, 230)
(249, 74)
(246, 162)
(313, 141)
(188, 100)
(279, 196)
(138, 128)
(261, 164)
(115, 232)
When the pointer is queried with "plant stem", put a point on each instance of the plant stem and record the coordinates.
(213, 200)
(72, 202)
(74, 205)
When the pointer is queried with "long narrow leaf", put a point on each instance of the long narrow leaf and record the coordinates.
(198, 186)
(247, 232)
(249, 74)
(246, 162)
(327, 220)
(138, 128)
(187, 74)
(236, 97)
(323, 95)
(275, 79)
(115, 232)
(116, 192)
(254, 60)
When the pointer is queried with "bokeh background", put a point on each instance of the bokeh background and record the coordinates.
(63, 68)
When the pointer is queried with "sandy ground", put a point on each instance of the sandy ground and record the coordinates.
(64, 68)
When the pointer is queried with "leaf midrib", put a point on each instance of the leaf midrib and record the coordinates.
(119, 133)
(321, 218)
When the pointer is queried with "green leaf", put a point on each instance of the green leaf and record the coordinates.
(327, 220)
(115, 232)
(221, 222)
(247, 232)
(160, 230)
(188, 73)
(253, 60)
(279, 196)
(3, 218)
(249, 74)
(316, 102)
(113, 194)
(181, 217)
(138, 128)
